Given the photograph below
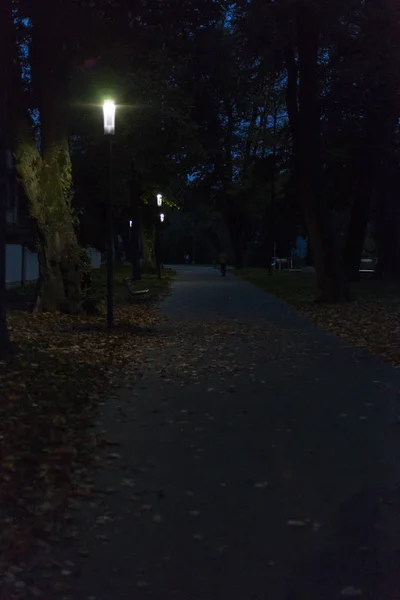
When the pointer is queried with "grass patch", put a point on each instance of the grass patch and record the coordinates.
(293, 287)
(371, 320)
(50, 391)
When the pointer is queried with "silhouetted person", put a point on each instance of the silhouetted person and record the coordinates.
(223, 259)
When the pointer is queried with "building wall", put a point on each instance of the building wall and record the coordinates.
(14, 263)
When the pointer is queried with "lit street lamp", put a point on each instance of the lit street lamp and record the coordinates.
(159, 244)
(109, 129)
(109, 117)
(159, 199)
(130, 230)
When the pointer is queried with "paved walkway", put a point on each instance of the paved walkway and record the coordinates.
(258, 458)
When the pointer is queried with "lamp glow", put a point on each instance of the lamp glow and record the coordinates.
(130, 223)
(159, 199)
(162, 217)
(109, 117)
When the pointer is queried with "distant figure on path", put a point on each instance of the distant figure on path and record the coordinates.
(223, 259)
(187, 258)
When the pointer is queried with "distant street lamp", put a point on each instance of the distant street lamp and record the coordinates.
(109, 129)
(159, 199)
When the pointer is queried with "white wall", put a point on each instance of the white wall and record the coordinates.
(14, 263)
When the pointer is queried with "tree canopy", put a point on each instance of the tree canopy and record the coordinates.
(280, 117)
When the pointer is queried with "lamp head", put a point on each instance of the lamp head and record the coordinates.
(109, 117)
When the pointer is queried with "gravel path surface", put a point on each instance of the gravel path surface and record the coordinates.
(258, 458)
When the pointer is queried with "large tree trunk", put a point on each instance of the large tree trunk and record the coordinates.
(5, 344)
(383, 28)
(377, 162)
(388, 238)
(6, 44)
(305, 130)
(47, 176)
(148, 236)
(356, 232)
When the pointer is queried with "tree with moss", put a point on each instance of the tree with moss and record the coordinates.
(41, 147)
(6, 42)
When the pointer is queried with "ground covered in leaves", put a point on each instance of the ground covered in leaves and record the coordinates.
(255, 458)
(371, 320)
(50, 391)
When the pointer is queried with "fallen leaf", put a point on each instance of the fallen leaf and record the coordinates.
(103, 519)
(350, 590)
(127, 483)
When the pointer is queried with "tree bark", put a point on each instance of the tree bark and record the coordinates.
(47, 175)
(148, 236)
(5, 344)
(383, 31)
(376, 162)
(305, 130)
(6, 44)
(356, 232)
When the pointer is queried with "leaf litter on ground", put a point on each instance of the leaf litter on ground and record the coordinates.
(50, 392)
(68, 366)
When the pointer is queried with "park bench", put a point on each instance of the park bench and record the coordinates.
(129, 284)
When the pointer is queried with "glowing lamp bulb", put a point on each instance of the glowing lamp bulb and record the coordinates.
(109, 117)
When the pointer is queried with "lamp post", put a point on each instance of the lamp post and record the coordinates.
(109, 130)
(158, 236)
(159, 244)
